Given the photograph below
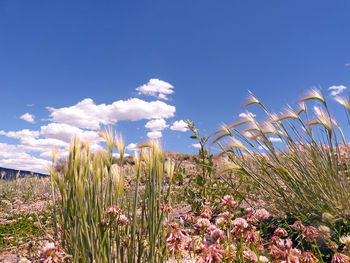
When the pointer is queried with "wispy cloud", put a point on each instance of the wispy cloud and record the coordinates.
(28, 117)
(275, 139)
(335, 90)
(246, 115)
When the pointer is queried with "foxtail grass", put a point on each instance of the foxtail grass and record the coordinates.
(98, 220)
(298, 159)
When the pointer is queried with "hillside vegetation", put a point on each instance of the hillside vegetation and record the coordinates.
(278, 191)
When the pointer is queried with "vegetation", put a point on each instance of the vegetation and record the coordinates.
(282, 196)
(308, 174)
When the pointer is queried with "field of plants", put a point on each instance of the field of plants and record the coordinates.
(254, 201)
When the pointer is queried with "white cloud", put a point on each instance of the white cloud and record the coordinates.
(154, 135)
(29, 163)
(335, 90)
(21, 134)
(274, 139)
(156, 88)
(117, 155)
(247, 115)
(156, 125)
(196, 145)
(179, 126)
(66, 133)
(82, 120)
(12, 156)
(131, 147)
(28, 117)
(42, 145)
(263, 148)
(86, 114)
(61, 153)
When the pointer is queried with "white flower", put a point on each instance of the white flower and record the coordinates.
(24, 260)
(263, 259)
(345, 240)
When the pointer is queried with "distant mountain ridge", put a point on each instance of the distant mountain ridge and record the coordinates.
(9, 174)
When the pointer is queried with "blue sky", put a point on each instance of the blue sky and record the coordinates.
(55, 54)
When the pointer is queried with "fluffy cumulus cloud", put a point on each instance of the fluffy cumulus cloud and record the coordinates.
(156, 88)
(336, 90)
(14, 157)
(86, 114)
(83, 120)
(65, 132)
(28, 117)
(154, 135)
(156, 125)
(179, 126)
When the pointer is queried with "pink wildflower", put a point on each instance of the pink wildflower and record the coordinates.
(203, 223)
(220, 221)
(325, 232)
(251, 237)
(211, 228)
(340, 258)
(50, 254)
(263, 259)
(240, 223)
(310, 233)
(249, 211)
(298, 226)
(113, 210)
(250, 255)
(332, 246)
(226, 215)
(189, 217)
(262, 214)
(283, 251)
(216, 235)
(281, 232)
(123, 220)
(228, 202)
(206, 213)
(104, 222)
(211, 253)
(175, 239)
(48, 249)
(308, 257)
(166, 208)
